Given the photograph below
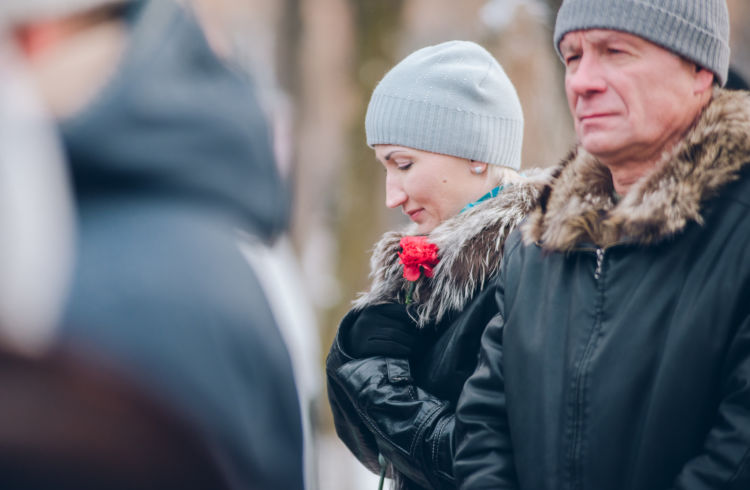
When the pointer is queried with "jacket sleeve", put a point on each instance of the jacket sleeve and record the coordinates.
(484, 459)
(725, 460)
(377, 407)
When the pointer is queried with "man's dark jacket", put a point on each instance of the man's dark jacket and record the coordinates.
(404, 408)
(621, 355)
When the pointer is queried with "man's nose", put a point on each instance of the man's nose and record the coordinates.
(587, 77)
(394, 192)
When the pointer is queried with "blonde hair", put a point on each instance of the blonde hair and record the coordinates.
(502, 175)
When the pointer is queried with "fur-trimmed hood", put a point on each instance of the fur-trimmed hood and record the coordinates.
(470, 249)
(578, 207)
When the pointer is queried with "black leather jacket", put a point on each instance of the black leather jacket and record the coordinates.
(404, 408)
(620, 358)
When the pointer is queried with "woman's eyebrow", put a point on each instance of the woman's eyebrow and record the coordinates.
(390, 154)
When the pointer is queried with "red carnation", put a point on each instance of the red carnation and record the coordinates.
(417, 255)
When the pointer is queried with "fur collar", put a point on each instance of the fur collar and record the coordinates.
(470, 248)
(578, 207)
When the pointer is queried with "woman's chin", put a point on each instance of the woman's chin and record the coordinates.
(426, 227)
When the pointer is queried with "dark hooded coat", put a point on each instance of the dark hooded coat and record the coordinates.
(168, 163)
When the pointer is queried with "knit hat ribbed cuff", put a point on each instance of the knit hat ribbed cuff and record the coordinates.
(704, 40)
(430, 127)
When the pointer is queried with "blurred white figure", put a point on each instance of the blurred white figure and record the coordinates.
(36, 214)
(279, 273)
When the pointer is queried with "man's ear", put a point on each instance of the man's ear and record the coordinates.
(704, 80)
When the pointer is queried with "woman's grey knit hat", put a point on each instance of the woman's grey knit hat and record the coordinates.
(14, 12)
(452, 98)
(697, 30)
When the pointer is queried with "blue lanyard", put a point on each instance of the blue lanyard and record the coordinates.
(493, 193)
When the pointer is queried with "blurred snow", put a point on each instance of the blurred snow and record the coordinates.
(340, 470)
(499, 14)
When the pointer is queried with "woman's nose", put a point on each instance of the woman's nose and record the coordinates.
(394, 192)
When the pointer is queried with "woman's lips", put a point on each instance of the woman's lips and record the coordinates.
(415, 214)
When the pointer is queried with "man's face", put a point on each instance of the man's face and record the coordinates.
(629, 98)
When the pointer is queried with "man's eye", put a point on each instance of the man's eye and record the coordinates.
(572, 58)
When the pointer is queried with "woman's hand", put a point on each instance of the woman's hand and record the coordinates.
(382, 330)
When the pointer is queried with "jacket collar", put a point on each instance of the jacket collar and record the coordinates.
(470, 248)
(578, 207)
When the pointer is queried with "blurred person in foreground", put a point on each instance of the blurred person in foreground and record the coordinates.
(272, 255)
(446, 125)
(633, 372)
(69, 424)
(169, 157)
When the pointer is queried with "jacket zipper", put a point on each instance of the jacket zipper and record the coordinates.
(580, 381)
(599, 262)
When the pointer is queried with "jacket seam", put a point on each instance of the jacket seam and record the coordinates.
(436, 450)
(422, 428)
(436, 443)
(741, 466)
(517, 243)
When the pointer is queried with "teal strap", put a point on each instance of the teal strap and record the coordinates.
(382, 462)
(493, 193)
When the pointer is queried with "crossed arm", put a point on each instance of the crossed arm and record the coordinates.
(378, 408)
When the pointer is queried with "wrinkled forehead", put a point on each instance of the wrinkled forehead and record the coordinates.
(696, 30)
(574, 39)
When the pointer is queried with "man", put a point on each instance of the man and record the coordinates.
(169, 157)
(621, 355)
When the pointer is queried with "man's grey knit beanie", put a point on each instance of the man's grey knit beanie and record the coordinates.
(452, 98)
(697, 30)
(13, 12)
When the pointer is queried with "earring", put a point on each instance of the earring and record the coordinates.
(478, 169)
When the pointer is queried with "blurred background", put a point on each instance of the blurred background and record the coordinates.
(315, 63)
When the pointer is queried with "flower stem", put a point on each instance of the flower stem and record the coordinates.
(409, 292)
(383, 463)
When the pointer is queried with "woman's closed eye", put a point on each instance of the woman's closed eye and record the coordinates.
(404, 164)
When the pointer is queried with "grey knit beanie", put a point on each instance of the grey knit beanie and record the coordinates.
(697, 30)
(452, 98)
(19, 11)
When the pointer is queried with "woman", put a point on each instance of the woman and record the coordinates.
(447, 126)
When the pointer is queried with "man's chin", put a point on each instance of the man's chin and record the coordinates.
(600, 144)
